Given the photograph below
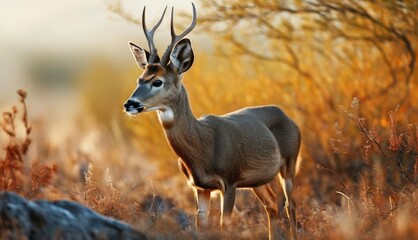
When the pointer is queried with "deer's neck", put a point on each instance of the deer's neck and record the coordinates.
(189, 138)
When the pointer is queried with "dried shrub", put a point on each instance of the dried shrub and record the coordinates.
(107, 201)
(11, 163)
(14, 175)
(41, 177)
(385, 153)
(385, 177)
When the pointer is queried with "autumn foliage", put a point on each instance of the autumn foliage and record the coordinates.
(344, 70)
(17, 173)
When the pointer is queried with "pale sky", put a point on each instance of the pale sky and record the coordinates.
(70, 29)
(74, 28)
(27, 25)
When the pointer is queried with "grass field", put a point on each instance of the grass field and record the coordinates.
(117, 180)
(344, 71)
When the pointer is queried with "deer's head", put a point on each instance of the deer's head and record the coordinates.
(159, 85)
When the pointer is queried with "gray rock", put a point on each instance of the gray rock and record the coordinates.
(23, 219)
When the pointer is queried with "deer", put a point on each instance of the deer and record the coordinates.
(254, 147)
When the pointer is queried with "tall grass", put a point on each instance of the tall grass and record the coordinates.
(376, 197)
(17, 172)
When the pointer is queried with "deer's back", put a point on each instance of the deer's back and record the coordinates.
(246, 140)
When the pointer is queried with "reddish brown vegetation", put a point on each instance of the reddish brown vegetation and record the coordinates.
(384, 156)
(14, 166)
(376, 177)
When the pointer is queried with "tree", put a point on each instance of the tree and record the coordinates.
(339, 49)
(322, 54)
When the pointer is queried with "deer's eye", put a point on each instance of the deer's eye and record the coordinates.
(157, 83)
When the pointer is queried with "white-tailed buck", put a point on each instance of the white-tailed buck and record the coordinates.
(255, 147)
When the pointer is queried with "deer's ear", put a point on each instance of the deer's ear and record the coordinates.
(141, 55)
(182, 57)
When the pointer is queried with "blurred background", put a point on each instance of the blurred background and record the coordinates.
(50, 49)
(344, 70)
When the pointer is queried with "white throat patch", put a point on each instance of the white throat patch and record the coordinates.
(166, 115)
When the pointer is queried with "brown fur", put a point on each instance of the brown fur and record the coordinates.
(152, 71)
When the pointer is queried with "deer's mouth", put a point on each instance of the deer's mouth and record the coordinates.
(135, 110)
(133, 107)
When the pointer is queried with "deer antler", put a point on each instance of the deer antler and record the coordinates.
(175, 38)
(153, 58)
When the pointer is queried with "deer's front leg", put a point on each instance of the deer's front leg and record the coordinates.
(203, 207)
(227, 205)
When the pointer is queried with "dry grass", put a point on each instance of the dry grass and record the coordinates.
(360, 171)
(373, 202)
(18, 173)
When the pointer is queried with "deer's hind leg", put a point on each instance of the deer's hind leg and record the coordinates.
(268, 198)
(286, 176)
(280, 197)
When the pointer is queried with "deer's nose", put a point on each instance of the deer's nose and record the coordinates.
(131, 104)
(133, 107)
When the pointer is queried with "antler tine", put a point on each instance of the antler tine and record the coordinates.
(189, 29)
(150, 36)
(175, 38)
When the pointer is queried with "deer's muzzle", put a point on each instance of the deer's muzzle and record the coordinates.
(133, 107)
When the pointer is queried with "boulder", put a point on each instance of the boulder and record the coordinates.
(23, 219)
